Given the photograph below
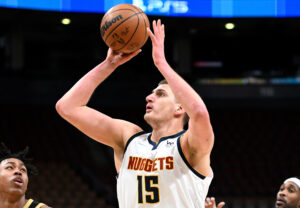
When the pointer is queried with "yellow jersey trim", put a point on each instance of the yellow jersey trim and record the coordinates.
(40, 205)
(28, 203)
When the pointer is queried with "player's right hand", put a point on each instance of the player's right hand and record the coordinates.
(118, 59)
(210, 202)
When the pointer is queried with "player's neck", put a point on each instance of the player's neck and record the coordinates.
(11, 201)
(163, 132)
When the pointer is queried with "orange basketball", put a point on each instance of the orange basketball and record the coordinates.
(124, 28)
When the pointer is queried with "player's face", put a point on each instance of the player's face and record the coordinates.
(161, 104)
(13, 176)
(288, 196)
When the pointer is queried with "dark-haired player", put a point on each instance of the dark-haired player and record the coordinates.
(288, 195)
(14, 171)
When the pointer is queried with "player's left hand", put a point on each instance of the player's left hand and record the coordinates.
(157, 38)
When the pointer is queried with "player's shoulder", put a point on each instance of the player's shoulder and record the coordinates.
(138, 136)
(130, 128)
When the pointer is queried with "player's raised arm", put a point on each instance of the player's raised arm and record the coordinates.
(199, 138)
(73, 105)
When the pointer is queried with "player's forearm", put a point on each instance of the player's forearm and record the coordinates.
(82, 91)
(185, 94)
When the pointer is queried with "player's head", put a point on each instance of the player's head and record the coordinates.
(14, 171)
(288, 195)
(162, 105)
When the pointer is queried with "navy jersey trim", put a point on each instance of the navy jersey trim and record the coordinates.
(131, 138)
(186, 162)
(163, 139)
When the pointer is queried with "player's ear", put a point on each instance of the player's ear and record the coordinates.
(179, 110)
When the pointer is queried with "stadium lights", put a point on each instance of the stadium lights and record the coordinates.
(229, 26)
(66, 21)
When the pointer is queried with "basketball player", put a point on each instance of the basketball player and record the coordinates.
(14, 172)
(168, 167)
(288, 195)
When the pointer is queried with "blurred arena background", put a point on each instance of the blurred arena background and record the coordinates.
(248, 76)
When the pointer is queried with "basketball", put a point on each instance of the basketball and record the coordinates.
(124, 28)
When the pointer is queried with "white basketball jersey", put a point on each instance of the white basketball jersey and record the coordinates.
(158, 175)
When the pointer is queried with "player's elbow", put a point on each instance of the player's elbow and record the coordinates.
(62, 108)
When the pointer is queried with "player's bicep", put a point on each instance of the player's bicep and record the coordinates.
(197, 144)
(99, 126)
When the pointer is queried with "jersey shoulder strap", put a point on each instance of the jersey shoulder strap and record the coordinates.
(33, 204)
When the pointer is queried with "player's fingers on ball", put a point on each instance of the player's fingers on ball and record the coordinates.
(148, 30)
(150, 33)
(138, 51)
(135, 52)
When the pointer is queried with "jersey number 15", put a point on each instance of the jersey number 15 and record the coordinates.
(150, 186)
